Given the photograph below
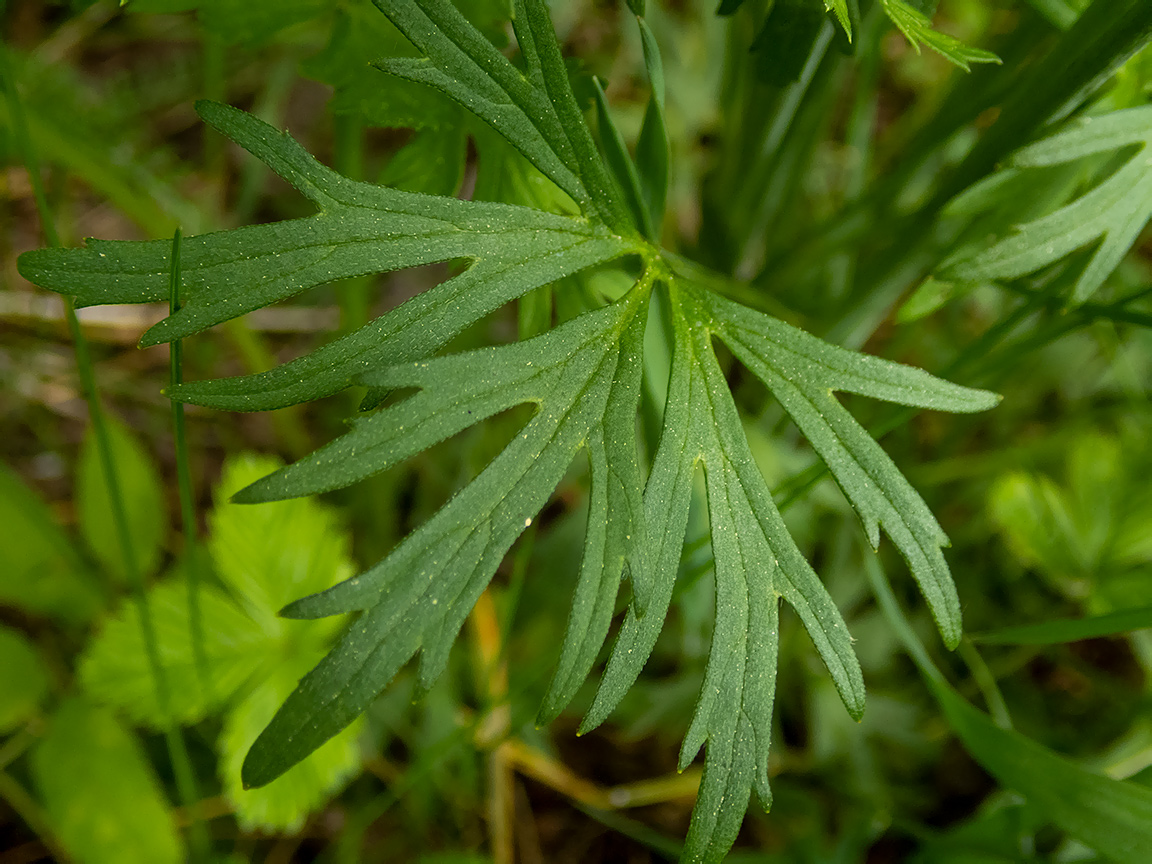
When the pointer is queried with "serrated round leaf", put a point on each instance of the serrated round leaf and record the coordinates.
(23, 682)
(283, 804)
(100, 795)
(271, 554)
(114, 668)
(142, 494)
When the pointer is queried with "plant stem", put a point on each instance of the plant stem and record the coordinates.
(184, 484)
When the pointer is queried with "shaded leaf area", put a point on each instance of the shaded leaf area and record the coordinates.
(85, 756)
(1112, 214)
(1059, 630)
(24, 683)
(536, 112)
(583, 376)
(359, 229)
(144, 503)
(262, 557)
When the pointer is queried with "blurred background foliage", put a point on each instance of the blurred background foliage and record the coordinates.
(1047, 499)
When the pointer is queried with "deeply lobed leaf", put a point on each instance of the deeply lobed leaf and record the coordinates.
(418, 596)
(583, 377)
(1113, 214)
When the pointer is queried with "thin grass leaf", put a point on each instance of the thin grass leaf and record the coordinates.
(620, 163)
(1113, 817)
(1060, 630)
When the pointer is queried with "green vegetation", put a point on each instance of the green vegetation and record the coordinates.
(571, 310)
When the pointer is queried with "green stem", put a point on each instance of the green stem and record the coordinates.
(355, 294)
(184, 485)
(181, 764)
(986, 682)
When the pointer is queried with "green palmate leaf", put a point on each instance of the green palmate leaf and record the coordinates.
(917, 28)
(417, 597)
(803, 372)
(271, 555)
(756, 559)
(361, 228)
(1112, 214)
(583, 378)
(1089, 537)
(100, 796)
(265, 557)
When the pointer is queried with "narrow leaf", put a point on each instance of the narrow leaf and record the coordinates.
(1061, 630)
(652, 148)
(802, 372)
(360, 229)
(419, 595)
(756, 563)
(1111, 816)
(24, 682)
(620, 163)
(144, 504)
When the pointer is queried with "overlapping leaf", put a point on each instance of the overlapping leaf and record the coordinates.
(1113, 214)
(263, 557)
